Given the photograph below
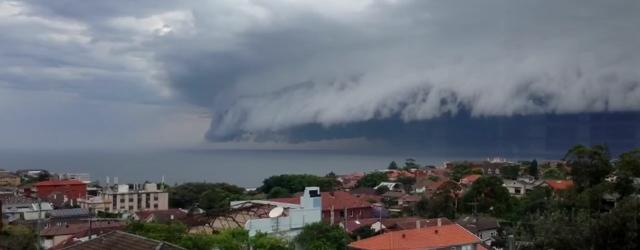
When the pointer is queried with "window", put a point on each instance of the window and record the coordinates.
(155, 197)
(130, 208)
(155, 206)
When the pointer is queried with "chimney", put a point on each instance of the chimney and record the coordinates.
(439, 223)
(418, 224)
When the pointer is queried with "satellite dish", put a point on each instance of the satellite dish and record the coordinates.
(358, 222)
(276, 212)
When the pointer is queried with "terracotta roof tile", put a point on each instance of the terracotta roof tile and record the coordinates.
(559, 184)
(339, 200)
(424, 238)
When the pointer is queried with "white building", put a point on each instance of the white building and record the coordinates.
(22, 208)
(293, 218)
(124, 199)
(521, 186)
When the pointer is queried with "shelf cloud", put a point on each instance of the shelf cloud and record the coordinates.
(285, 70)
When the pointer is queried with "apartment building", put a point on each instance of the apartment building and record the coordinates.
(125, 198)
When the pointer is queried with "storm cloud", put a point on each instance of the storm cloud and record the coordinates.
(312, 70)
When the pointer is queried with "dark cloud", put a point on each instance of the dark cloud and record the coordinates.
(309, 70)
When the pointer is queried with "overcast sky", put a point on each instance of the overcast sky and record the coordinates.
(154, 74)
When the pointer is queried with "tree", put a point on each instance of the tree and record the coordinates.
(171, 232)
(407, 182)
(589, 165)
(393, 165)
(459, 171)
(18, 238)
(381, 190)
(490, 196)
(629, 163)
(278, 192)
(321, 236)
(372, 179)
(264, 241)
(552, 174)
(441, 204)
(216, 201)
(410, 163)
(533, 168)
(510, 172)
(297, 183)
(188, 195)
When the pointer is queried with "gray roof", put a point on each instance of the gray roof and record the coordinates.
(71, 212)
(117, 240)
(477, 224)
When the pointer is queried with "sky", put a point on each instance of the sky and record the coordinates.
(180, 74)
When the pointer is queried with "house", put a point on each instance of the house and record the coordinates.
(451, 236)
(391, 186)
(393, 224)
(521, 186)
(118, 240)
(160, 216)
(559, 185)
(9, 179)
(69, 215)
(288, 218)
(486, 228)
(61, 192)
(338, 206)
(349, 181)
(23, 208)
(468, 180)
(124, 198)
(366, 194)
(55, 234)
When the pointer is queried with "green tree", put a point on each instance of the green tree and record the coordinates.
(188, 194)
(321, 236)
(407, 182)
(297, 183)
(217, 201)
(393, 165)
(264, 241)
(459, 171)
(372, 179)
(410, 163)
(629, 163)
(510, 172)
(171, 232)
(18, 238)
(552, 174)
(278, 192)
(533, 168)
(490, 196)
(381, 190)
(589, 165)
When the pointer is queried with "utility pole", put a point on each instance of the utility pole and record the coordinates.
(38, 223)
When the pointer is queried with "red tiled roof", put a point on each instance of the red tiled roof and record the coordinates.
(559, 184)
(395, 224)
(59, 183)
(470, 178)
(424, 238)
(339, 200)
